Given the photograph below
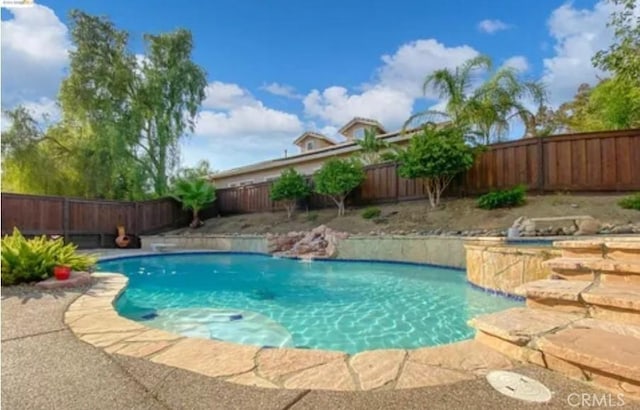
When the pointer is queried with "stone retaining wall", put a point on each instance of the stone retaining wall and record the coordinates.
(493, 265)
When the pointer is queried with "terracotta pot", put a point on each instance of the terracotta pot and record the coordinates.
(62, 272)
(123, 241)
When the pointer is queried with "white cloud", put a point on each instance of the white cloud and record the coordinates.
(336, 106)
(248, 119)
(237, 129)
(518, 63)
(491, 26)
(578, 35)
(389, 98)
(225, 96)
(282, 90)
(34, 54)
(406, 69)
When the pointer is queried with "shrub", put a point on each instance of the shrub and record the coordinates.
(371, 212)
(28, 260)
(436, 155)
(503, 198)
(337, 178)
(288, 189)
(194, 194)
(630, 202)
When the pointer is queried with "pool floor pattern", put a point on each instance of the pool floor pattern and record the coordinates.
(94, 320)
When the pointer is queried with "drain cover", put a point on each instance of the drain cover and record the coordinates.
(518, 386)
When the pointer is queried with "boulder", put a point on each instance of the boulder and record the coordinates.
(588, 227)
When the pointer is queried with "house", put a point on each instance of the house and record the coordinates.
(315, 148)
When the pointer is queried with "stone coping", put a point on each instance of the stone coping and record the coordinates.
(93, 319)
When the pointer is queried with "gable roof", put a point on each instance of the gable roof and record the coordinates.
(311, 134)
(362, 120)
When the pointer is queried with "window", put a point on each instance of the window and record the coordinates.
(309, 145)
(358, 133)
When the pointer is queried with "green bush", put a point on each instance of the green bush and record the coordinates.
(28, 260)
(503, 199)
(371, 212)
(630, 202)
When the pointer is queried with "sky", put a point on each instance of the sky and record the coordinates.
(281, 67)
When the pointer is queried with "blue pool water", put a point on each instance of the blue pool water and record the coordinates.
(334, 305)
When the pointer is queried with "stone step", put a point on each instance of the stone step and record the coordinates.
(607, 326)
(520, 325)
(555, 294)
(595, 268)
(627, 250)
(614, 302)
(572, 268)
(581, 249)
(607, 359)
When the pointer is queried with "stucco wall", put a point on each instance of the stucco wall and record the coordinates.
(493, 265)
(438, 250)
(245, 243)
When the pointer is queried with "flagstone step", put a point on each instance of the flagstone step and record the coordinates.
(555, 294)
(520, 325)
(608, 326)
(581, 249)
(607, 359)
(614, 302)
(595, 268)
(627, 250)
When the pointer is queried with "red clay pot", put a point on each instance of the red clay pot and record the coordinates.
(62, 272)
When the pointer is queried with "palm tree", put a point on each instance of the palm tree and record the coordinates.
(194, 195)
(486, 109)
(370, 147)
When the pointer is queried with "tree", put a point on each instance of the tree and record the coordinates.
(485, 109)
(201, 170)
(97, 104)
(370, 147)
(194, 195)
(436, 155)
(612, 104)
(289, 189)
(623, 57)
(337, 178)
(170, 93)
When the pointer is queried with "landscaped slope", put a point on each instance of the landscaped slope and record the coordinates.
(455, 216)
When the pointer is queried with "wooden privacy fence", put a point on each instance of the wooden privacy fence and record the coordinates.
(82, 220)
(585, 162)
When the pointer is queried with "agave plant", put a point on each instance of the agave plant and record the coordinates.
(194, 194)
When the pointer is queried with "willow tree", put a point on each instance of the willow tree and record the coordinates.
(97, 102)
(487, 107)
(169, 95)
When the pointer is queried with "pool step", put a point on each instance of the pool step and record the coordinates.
(607, 359)
(581, 249)
(510, 331)
(555, 294)
(626, 250)
(614, 302)
(608, 270)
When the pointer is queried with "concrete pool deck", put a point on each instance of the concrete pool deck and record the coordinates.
(44, 366)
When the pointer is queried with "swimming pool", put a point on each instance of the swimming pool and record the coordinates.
(334, 305)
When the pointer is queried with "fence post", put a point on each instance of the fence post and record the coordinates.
(136, 222)
(395, 171)
(541, 167)
(65, 219)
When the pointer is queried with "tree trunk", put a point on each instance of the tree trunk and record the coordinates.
(289, 206)
(196, 222)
